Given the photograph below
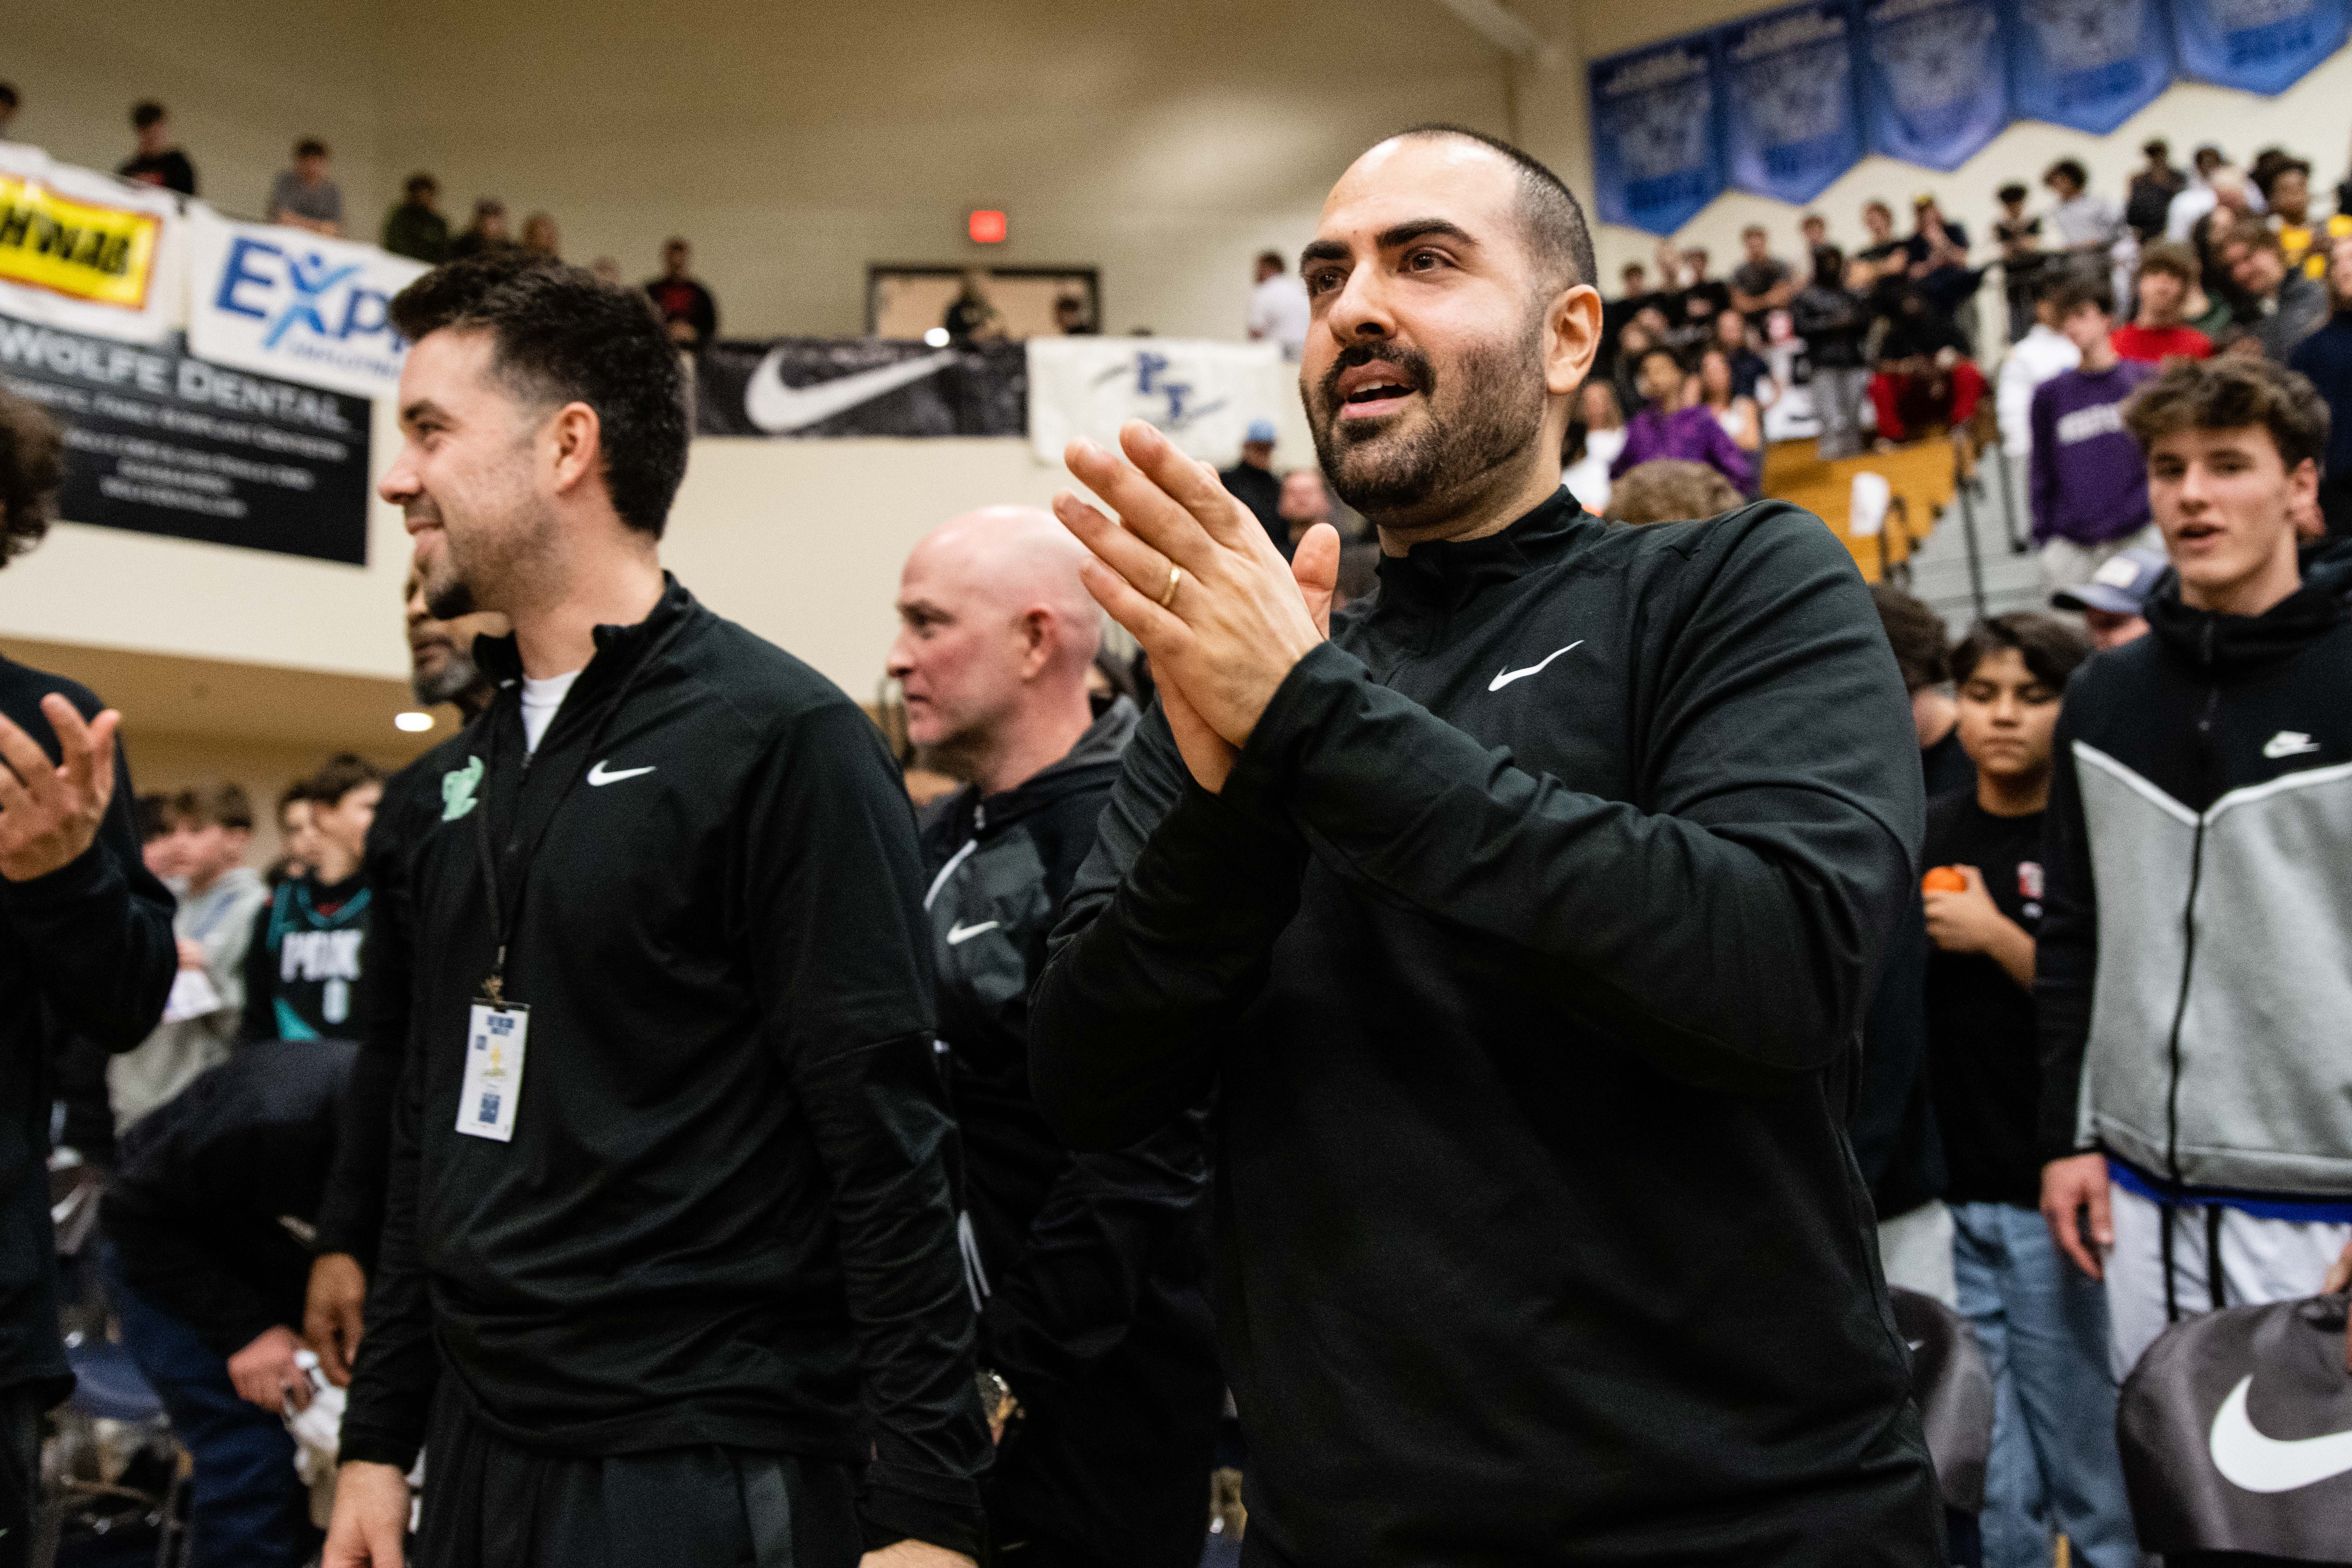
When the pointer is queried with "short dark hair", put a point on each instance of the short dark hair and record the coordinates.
(32, 468)
(310, 147)
(2268, 175)
(1751, 229)
(2012, 192)
(298, 792)
(1922, 647)
(2254, 234)
(2053, 649)
(145, 113)
(2172, 258)
(1655, 351)
(421, 181)
(2229, 394)
(2068, 169)
(8, 99)
(561, 336)
(1554, 217)
(154, 814)
(2154, 147)
(2077, 289)
(216, 805)
(1273, 258)
(339, 775)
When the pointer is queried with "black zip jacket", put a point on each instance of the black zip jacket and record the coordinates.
(725, 1215)
(199, 1209)
(2202, 784)
(86, 950)
(1527, 942)
(1094, 1267)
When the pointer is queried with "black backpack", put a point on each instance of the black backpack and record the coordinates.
(2236, 1430)
(1953, 1388)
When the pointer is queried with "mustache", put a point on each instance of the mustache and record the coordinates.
(417, 508)
(1411, 364)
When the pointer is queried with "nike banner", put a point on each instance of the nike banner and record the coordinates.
(158, 441)
(860, 386)
(287, 303)
(2236, 1429)
(1203, 395)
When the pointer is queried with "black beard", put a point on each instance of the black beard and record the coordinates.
(447, 601)
(456, 676)
(1493, 420)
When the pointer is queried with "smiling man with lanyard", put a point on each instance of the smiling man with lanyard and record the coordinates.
(669, 1267)
(1524, 925)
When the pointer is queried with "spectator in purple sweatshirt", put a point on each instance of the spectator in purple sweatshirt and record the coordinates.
(1665, 428)
(2089, 481)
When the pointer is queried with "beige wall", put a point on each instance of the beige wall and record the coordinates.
(2312, 119)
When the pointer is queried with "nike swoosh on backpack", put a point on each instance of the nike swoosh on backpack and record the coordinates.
(1509, 676)
(959, 935)
(600, 774)
(777, 408)
(2248, 1460)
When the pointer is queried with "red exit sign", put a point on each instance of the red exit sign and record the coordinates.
(985, 226)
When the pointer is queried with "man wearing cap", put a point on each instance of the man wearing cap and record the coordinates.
(2110, 603)
(1256, 486)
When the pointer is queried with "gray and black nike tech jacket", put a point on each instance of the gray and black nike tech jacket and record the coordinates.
(2195, 963)
(1528, 945)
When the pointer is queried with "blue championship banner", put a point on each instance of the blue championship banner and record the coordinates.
(2087, 64)
(1657, 153)
(1934, 82)
(1792, 119)
(2259, 46)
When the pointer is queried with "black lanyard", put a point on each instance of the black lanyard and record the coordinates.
(505, 919)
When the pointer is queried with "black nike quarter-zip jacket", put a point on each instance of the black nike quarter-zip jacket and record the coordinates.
(725, 1215)
(1527, 944)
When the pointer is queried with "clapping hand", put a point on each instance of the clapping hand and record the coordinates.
(49, 812)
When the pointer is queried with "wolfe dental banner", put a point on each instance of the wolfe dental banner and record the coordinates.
(859, 386)
(1657, 143)
(1792, 112)
(158, 441)
(1203, 395)
(2259, 46)
(287, 303)
(83, 252)
(2088, 64)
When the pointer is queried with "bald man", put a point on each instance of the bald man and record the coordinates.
(1089, 1270)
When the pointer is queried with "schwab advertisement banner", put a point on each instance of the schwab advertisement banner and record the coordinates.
(284, 302)
(2261, 45)
(1204, 396)
(84, 252)
(859, 386)
(2088, 64)
(1792, 119)
(1657, 149)
(158, 442)
(1934, 80)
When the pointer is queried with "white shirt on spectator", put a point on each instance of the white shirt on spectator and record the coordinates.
(1587, 478)
(2034, 359)
(2086, 220)
(1278, 312)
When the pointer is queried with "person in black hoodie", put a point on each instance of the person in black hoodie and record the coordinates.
(1524, 925)
(89, 951)
(669, 1269)
(206, 1261)
(1091, 1270)
(2195, 1113)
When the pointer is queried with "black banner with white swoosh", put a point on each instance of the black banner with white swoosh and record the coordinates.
(860, 386)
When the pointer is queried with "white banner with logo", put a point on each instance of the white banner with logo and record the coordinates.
(1204, 396)
(289, 303)
(85, 253)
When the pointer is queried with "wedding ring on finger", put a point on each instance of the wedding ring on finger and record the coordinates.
(1175, 579)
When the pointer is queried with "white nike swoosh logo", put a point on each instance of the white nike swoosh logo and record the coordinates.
(2288, 746)
(600, 775)
(2258, 1464)
(959, 935)
(1509, 676)
(777, 408)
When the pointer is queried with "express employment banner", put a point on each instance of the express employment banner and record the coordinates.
(1657, 145)
(289, 303)
(161, 442)
(1792, 114)
(81, 251)
(2088, 64)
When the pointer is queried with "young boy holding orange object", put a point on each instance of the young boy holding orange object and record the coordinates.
(2042, 1324)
